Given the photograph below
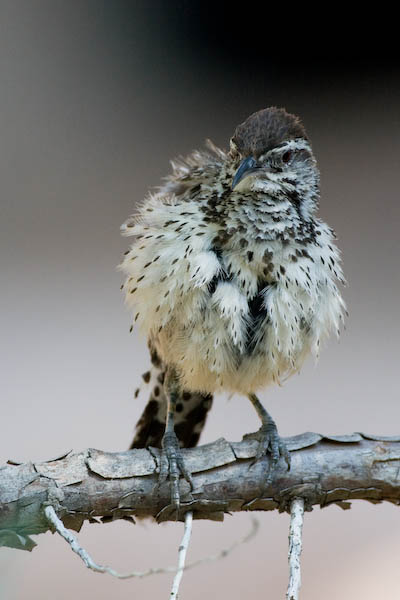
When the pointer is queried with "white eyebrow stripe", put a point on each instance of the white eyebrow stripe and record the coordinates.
(297, 144)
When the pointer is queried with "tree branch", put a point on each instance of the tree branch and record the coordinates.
(75, 546)
(295, 547)
(182, 555)
(92, 484)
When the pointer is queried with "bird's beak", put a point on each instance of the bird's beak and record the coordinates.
(247, 166)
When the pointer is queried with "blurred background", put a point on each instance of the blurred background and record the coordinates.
(95, 98)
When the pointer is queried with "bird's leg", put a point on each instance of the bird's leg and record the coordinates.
(268, 439)
(172, 463)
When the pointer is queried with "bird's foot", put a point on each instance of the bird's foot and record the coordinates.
(172, 466)
(270, 442)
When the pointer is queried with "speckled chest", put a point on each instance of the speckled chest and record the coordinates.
(230, 286)
(252, 322)
(250, 272)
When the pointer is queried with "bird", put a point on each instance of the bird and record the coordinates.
(234, 280)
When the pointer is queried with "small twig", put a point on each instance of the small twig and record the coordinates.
(58, 525)
(182, 555)
(84, 555)
(295, 547)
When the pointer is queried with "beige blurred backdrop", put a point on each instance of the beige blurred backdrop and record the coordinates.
(95, 99)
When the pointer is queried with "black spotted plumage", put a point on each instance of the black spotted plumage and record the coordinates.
(233, 278)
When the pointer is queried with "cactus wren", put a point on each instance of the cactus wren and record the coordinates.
(233, 279)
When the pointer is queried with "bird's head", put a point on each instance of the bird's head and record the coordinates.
(271, 155)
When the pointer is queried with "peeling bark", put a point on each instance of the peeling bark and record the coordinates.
(91, 484)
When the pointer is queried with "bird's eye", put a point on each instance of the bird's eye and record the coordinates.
(287, 156)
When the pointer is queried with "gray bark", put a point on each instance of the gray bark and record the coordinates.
(92, 485)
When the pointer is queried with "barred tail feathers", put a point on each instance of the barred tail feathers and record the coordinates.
(190, 416)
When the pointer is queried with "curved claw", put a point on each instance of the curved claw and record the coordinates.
(172, 466)
(278, 449)
(270, 442)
